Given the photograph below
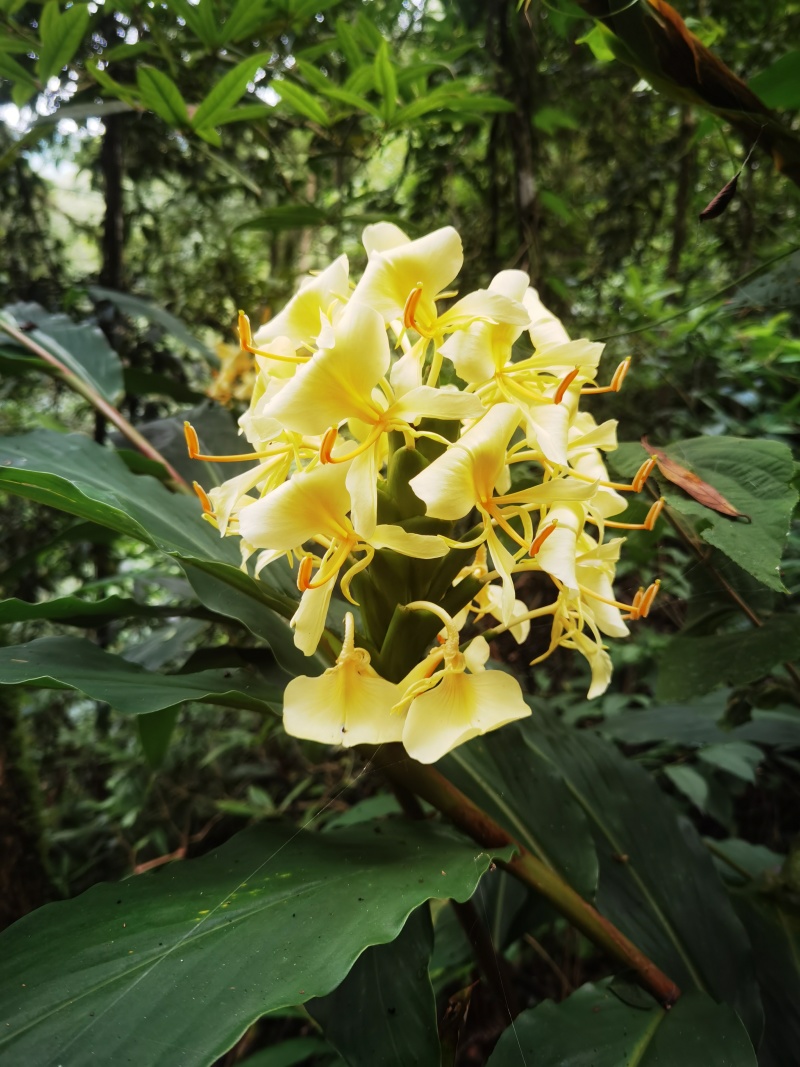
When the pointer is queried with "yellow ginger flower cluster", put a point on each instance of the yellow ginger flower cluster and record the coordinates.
(412, 457)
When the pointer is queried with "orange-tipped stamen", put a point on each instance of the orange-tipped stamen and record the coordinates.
(208, 507)
(643, 474)
(542, 536)
(412, 303)
(328, 441)
(649, 597)
(192, 442)
(565, 384)
(585, 591)
(648, 524)
(304, 573)
(245, 333)
(616, 382)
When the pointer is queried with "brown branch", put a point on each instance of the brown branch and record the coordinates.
(430, 785)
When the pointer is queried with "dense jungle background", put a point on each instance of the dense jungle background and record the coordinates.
(165, 164)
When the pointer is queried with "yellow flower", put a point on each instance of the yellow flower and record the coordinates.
(350, 704)
(451, 706)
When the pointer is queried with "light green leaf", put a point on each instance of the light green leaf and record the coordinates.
(74, 663)
(245, 18)
(79, 346)
(162, 95)
(349, 45)
(599, 41)
(204, 948)
(301, 101)
(526, 794)
(386, 82)
(690, 666)
(736, 757)
(15, 72)
(200, 18)
(551, 119)
(596, 1028)
(61, 34)
(384, 1011)
(754, 475)
(779, 85)
(227, 91)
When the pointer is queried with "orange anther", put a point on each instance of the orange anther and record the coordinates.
(328, 441)
(653, 513)
(410, 309)
(207, 505)
(565, 384)
(304, 573)
(643, 474)
(542, 536)
(192, 442)
(245, 333)
(620, 374)
(648, 598)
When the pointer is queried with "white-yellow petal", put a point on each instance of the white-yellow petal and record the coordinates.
(300, 319)
(460, 707)
(308, 622)
(443, 403)
(424, 546)
(311, 502)
(545, 329)
(337, 382)
(383, 236)
(347, 705)
(557, 555)
(432, 261)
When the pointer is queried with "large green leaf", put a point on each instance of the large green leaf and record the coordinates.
(779, 85)
(657, 882)
(384, 1011)
(73, 611)
(529, 797)
(174, 966)
(136, 307)
(80, 346)
(753, 475)
(596, 1028)
(72, 473)
(74, 663)
(690, 666)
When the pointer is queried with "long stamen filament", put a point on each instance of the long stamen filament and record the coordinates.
(615, 385)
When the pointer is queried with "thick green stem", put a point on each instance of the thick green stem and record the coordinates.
(430, 785)
(97, 401)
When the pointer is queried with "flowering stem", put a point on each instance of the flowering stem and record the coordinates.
(433, 787)
(98, 402)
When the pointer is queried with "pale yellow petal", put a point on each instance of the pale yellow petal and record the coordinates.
(424, 546)
(347, 705)
(382, 237)
(557, 554)
(545, 329)
(308, 622)
(300, 319)
(311, 502)
(362, 485)
(337, 382)
(512, 284)
(460, 707)
(443, 403)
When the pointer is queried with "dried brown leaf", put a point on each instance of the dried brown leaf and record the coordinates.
(692, 484)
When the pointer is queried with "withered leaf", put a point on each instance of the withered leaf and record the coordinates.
(715, 207)
(692, 484)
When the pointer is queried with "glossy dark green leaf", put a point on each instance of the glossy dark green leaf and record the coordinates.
(595, 1028)
(13, 71)
(753, 475)
(136, 307)
(657, 881)
(72, 473)
(80, 346)
(162, 95)
(227, 91)
(529, 797)
(61, 33)
(73, 611)
(155, 733)
(74, 663)
(295, 1052)
(690, 666)
(690, 725)
(175, 965)
(384, 1011)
